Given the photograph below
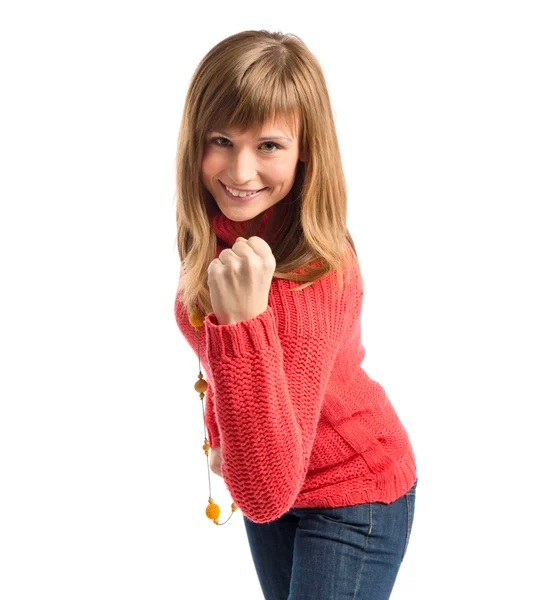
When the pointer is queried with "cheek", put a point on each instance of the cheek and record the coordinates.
(211, 164)
(283, 170)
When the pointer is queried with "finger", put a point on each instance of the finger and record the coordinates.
(241, 247)
(262, 249)
(215, 264)
(259, 245)
(231, 254)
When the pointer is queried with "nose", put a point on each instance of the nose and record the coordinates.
(242, 167)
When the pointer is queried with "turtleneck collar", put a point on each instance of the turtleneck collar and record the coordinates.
(227, 230)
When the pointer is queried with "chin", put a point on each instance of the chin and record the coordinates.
(238, 216)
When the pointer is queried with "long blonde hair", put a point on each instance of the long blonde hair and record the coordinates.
(246, 80)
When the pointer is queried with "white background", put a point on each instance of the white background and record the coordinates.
(441, 112)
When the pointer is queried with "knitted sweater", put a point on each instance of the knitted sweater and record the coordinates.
(299, 421)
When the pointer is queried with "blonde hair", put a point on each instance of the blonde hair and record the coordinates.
(248, 79)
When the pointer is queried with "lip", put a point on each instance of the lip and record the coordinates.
(238, 198)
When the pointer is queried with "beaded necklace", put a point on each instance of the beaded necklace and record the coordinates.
(227, 231)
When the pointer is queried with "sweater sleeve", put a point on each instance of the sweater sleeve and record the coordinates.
(268, 400)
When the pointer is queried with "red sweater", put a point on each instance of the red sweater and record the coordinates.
(299, 421)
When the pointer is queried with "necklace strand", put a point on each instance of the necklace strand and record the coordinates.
(213, 511)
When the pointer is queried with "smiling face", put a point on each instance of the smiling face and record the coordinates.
(265, 161)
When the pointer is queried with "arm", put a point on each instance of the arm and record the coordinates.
(268, 400)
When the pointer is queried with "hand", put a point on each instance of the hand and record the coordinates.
(240, 280)
(216, 458)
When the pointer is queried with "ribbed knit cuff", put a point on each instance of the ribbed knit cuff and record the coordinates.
(244, 337)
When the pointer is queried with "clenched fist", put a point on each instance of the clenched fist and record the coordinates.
(240, 280)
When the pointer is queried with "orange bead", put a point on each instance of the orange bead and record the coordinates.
(212, 511)
(196, 319)
(201, 386)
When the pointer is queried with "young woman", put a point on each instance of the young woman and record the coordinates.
(310, 447)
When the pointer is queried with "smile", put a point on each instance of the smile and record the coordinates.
(241, 198)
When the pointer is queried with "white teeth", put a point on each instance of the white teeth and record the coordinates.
(240, 194)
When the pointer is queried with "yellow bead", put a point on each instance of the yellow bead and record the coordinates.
(196, 319)
(212, 511)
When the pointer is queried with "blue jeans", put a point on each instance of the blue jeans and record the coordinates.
(349, 552)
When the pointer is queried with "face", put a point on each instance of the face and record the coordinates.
(265, 161)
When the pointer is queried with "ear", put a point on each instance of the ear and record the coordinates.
(303, 156)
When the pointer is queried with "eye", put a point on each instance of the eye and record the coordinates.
(216, 142)
(274, 144)
(216, 139)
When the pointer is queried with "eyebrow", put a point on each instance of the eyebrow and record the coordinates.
(261, 139)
